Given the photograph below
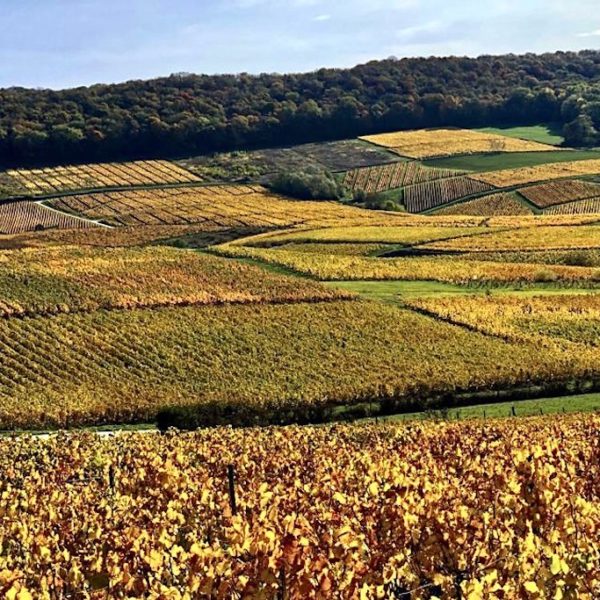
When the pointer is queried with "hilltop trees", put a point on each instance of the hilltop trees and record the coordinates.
(193, 114)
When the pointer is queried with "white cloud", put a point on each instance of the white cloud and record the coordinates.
(588, 34)
(322, 18)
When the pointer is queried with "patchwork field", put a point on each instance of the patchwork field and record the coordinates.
(516, 177)
(428, 143)
(262, 164)
(456, 505)
(213, 206)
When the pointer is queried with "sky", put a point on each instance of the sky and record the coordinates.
(66, 43)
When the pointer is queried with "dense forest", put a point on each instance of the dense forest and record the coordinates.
(188, 114)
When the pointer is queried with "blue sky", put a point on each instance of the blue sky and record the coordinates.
(64, 43)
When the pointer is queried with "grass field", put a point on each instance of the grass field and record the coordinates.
(510, 160)
(581, 403)
(544, 134)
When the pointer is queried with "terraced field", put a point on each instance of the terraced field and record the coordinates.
(560, 192)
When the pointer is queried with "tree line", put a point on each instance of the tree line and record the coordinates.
(187, 114)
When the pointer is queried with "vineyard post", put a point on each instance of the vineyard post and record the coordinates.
(513, 411)
(111, 477)
(282, 583)
(231, 479)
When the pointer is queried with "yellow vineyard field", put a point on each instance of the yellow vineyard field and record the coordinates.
(265, 359)
(345, 267)
(69, 279)
(493, 205)
(524, 175)
(527, 238)
(221, 206)
(429, 143)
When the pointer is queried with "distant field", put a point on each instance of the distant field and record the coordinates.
(561, 320)
(510, 160)
(429, 143)
(408, 235)
(261, 164)
(53, 180)
(544, 134)
(345, 267)
(533, 174)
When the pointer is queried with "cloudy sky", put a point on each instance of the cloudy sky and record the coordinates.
(64, 43)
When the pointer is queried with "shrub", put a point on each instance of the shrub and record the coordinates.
(309, 184)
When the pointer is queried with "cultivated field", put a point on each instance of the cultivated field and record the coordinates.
(534, 238)
(559, 192)
(386, 177)
(345, 267)
(212, 206)
(272, 361)
(428, 143)
(494, 509)
(560, 320)
(492, 205)
(23, 215)
(69, 279)
(524, 175)
(70, 178)
(580, 207)
(425, 196)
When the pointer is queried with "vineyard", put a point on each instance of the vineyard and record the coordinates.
(488, 206)
(23, 216)
(579, 207)
(429, 143)
(63, 179)
(562, 321)
(403, 235)
(66, 280)
(400, 174)
(542, 237)
(496, 509)
(559, 192)
(524, 175)
(353, 267)
(424, 196)
(212, 206)
(271, 360)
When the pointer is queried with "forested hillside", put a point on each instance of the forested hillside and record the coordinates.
(187, 114)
